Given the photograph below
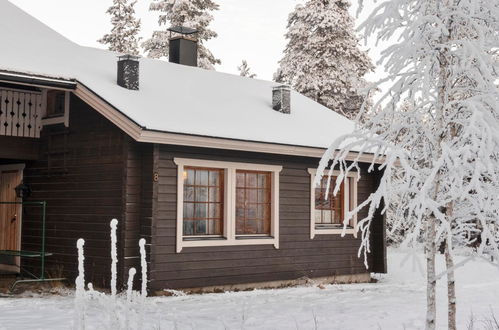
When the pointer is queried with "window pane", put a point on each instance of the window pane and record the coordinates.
(251, 195)
(201, 227)
(251, 209)
(251, 179)
(326, 216)
(240, 212)
(202, 194)
(189, 193)
(239, 226)
(252, 227)
(214, 178)
(329, 210)
(201, 211)
(215, 211)
(201, 177)
(240, 197)
(188, 210)
(318, 216)
(337, 218)
(203, 201)
(259, 213)
(263, 180)
(189, 176)
(189, 227)
(240, 179)
(215, 195)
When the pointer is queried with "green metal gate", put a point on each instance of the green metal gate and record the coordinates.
(42, 254)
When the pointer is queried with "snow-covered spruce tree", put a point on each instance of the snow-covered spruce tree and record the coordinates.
(440, 155)
(245, 70)
(124, 34)
(188, 13)
(322, 59)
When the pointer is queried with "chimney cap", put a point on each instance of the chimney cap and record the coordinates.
(182, 30)
(282, 87)
(126, 57)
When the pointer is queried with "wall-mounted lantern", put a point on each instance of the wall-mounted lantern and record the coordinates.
(23, 190)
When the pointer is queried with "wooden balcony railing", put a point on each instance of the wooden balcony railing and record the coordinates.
(20, 113)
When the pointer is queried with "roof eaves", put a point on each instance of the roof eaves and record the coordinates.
(36, 80)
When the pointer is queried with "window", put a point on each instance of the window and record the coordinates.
(56, 110)
(55, 103)
(203, 201)
(225, 203)
(253, 202)
(327, 214)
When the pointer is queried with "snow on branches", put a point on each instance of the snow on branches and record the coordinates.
(322, 59)
(245, 70)
(437, 135)
(123, 37)
(188, 13)
(439, 152)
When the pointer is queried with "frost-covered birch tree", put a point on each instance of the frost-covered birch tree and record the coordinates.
(440, 154)
(322, 59)
(123, 37)
(245, 70)
(188, 13)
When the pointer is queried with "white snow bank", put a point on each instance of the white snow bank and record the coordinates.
(397, 301)
(172, 98)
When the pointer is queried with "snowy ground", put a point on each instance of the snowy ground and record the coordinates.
(397, 301)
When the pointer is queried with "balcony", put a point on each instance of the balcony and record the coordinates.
(20, 113)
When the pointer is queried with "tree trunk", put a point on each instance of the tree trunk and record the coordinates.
(431, 250)
(451, 288)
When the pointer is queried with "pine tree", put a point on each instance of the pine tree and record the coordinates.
(322, 59)
(188, 13)
(440, 154)
(245, 70)
(124, 34)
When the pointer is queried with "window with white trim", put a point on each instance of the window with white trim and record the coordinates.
(226, 203)
(328, 211)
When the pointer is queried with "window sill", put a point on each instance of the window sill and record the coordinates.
(333, 231)
(228, 242)
(201, 238)
(52, 120)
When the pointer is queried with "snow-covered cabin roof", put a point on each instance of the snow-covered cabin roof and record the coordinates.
(172, 98)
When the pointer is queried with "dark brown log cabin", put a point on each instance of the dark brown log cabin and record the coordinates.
(214, 171)
(91, 172)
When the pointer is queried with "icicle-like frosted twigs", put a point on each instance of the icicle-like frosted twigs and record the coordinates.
(114, 256)
(131, 273)
(79, 320)
(143, 266)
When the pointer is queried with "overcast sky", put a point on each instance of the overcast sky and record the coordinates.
(247, 29)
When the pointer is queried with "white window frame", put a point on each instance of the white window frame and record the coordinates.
(229, 236)
(334, 231)
(62, 119)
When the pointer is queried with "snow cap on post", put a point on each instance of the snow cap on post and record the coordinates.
(281, 99)
(183, 47)
(128, 71)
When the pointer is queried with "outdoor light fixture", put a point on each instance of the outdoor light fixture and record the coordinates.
(22, 190)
